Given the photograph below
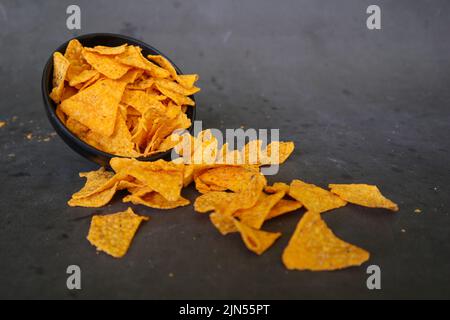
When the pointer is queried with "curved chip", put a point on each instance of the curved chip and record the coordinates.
(314, 247)
(212, 200)
(157, 201)
(95, 200)
(314, 198)
(255, 240)
(363, 195)
(60, 67)
(108, 50)
(224, 223)
(106, 65)
(282, 207)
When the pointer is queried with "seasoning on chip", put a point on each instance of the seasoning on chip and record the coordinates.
(92, 86)
(363, 195)
(114, 233)
(2, 124)
(314, 198)
(314, 247)
(276, 187)
(224, 223)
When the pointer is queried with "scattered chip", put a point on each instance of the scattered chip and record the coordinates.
(277, 187)
(314, 247)
(282, 207)
(256, 240)
(363, 195)
(314, 198)
(2, 124)
(114, 233)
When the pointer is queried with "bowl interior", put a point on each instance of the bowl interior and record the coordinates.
(90, 40)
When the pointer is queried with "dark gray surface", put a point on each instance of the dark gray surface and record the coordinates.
(362, 106)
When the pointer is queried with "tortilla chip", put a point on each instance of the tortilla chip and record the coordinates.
(157, 201)
(363, 195)
(255, 240)
(106, 65)
(255, 216)
(96, 107)
(94, 181)
(60, 67)
(282, 207)
(277, 187)
(277, 152)
(95, 200)
(107, 50)
(114, 233)
(314, 247)
(314, 198)
(84, 76)
(224, 223)
(212, 200)
(231, 178)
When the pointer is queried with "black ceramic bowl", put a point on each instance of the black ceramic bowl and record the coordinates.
(87, 151)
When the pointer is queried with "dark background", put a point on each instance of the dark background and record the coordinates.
(362, 106)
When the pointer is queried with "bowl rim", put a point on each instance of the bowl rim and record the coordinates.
(50, 106)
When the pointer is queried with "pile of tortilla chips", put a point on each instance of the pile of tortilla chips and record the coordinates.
(236, 195)
(119, 101)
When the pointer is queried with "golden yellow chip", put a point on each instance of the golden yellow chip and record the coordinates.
(233, 178)
(255, 216)
(90, 82)
(119, 143)
(79, 129)
(251, 153)
(363, 195)
(96, 107)
(96, 200)
(277, 187)
(157, 201)
(314, 198)
(106, 65)
(247, 198)
(114, 233)
(133, 57)
(179, 99)
(187, 80)
(224, 223)
(165, 178)
(277, 152)
(175, 87)
(142, 102)
(108, 50)
(84, 76)
(255, 240)
(60, 67)
(94, 181)
(68, 92)
(282, 207)
(314, 247)
(164, 63)
(212, 200)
